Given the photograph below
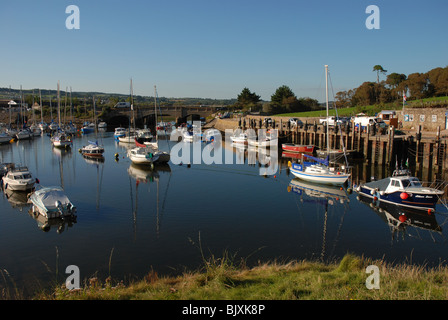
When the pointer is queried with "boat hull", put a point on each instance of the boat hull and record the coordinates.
(289, 147)
(331, 179)
(423, 201)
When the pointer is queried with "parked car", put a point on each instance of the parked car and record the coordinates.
(267, 121)
(295, 122)
(332, 121)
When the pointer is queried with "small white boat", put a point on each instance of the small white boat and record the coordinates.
(5, 138)
(271, 139)
(52, 202)
(24, 134)
(241, 138)
(35, 130)
(139, 155)
(18, 179)
(144, 154)
(129, 137)
(119, 132)
(144, 134)
(93, 149)
(212, 135)
(102, 124)
(61, 140)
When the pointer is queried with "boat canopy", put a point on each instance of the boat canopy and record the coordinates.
(323, 161)
(48, 196)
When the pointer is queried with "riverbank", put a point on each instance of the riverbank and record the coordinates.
(222, 279)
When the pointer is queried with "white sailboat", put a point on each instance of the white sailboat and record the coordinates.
(60, 139)
(148, 153)
(320, 172)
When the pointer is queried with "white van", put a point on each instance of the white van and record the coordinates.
(364, 121)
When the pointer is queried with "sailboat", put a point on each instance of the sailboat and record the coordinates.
(93, 149)
(60, 139)
(70, 128)
(320, 172)
(42, 125)
(148, 152)
(24, 133)
(130, 135)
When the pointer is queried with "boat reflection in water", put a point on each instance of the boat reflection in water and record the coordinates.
(17, 199)
(58, 224)
(322, 196)
(404, 221)
(147, 175)
(319, 193)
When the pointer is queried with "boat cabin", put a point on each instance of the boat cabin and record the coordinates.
(402, 183)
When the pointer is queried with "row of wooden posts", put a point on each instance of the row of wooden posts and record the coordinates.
(374, 145)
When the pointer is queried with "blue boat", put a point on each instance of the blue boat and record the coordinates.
(403, 190)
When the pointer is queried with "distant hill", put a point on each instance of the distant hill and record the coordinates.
(7, 93)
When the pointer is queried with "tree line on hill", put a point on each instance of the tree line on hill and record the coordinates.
(415, 86)
(433, 83)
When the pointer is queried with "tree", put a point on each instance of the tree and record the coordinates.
(419, 86)
(246, 97)
(394, 79)
(364, 95)
(378, 69)
(282, 99)
(438, 77)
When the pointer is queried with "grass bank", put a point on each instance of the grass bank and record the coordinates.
(222, 279)
(371, 109)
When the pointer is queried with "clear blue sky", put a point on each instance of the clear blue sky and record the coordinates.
(213, 49)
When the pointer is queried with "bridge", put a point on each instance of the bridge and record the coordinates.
(146, 115)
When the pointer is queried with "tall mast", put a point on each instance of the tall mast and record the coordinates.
(326, 99)
(155, 111)
(59, 109)
(41, 112)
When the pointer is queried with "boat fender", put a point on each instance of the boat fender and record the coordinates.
(404, 195)
(403, 218)
(289, 164)
(375, 198)
(37, 180)
(381, 193)
(429, 211)
(289, 188)
(372, 192)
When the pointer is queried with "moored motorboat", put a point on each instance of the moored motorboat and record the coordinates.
(93, 149)
(119, 132)
(61, 140)
(52, 202)
(24, 134)
(403, 190)
(88, 127)
(18, 179)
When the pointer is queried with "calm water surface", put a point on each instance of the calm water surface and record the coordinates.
(132, 220)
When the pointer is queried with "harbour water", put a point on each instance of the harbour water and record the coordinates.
(132, 220)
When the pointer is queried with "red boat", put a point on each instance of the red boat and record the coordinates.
(290, 147)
